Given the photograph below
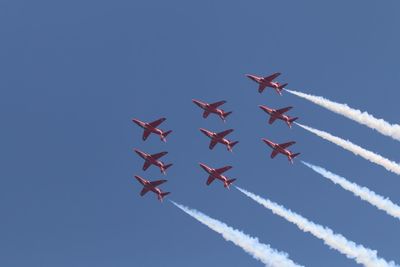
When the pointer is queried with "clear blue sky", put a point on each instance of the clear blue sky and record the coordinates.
(74, 73)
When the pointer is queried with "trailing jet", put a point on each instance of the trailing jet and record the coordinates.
(153, 160)
(217, 174)
(219, 138)
(152, 186)
(212, 108)
(268, 81)
(152, 128)
(281, 148)
(279, 114)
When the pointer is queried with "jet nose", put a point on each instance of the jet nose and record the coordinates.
(204, 131)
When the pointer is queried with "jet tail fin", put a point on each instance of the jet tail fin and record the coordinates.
(293, 156)
(164, 135)
(289, 122)
(225, 114)
(231, 145)
(162, 195)
(163, 169)
(229, 182)
(280, 88)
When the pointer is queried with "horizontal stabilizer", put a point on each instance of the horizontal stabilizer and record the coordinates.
(229, 182)
(164, 135)
(231, 145)
(225, 114)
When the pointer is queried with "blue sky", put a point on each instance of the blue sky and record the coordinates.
(75, 73)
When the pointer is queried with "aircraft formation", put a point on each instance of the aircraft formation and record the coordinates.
(215, 138)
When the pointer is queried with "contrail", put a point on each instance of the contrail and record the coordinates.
(357, 150)
(359, 253)
(364, 193)
(262, 252)
(380, 125)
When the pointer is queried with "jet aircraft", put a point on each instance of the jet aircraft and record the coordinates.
(217, 174)
(152, 186)
(212, 108)
(152, 128)
(281, 148)
(219, 138)
(153, 160)
(268, 81)
(279, 114)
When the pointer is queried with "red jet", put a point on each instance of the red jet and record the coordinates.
(281, 148)
(212, 108)
(219, 138)
(217, 174)
(152, 128)
(152, 186)
(268, 82)
(153, 160)
(279, 114)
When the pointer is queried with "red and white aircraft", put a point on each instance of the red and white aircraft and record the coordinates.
(281, 148)
(152, 128)
(219, 138)
(268, 82)
(217, 174)
(212, 108)
(279, 114)
(153, 160)
(152, 186)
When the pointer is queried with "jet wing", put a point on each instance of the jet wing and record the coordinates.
(285, 145)
(223, 169)
(272, 77)
(210, 180)
(146, 134)
(205, 114)
(274, 153)
(144, 191)
(217, 104)
(157, 183)
(146, 165)
(261, 87)
(212, 144)
(224, 133)
(271, 120)
(157, 122)
(283, 110)
(159, 155)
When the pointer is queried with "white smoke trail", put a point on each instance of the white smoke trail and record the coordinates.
(380, 125)
(262, 252)
(364, 193)
(357, 150)
(359, 253)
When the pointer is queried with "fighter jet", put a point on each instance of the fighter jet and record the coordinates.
(279, 114)
(219, 138)
(268, 82)
(152, 186)
(152, 128)
(153, 160)
(281, 148)
(212, 108)
(217, 174)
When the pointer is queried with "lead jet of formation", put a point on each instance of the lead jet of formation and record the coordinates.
(219, 138)
(153, 160)
(217, 174)
(267, 81)
(212, 108)
(281, 148)
(151, 127)
(279, 114)
(152, 186)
